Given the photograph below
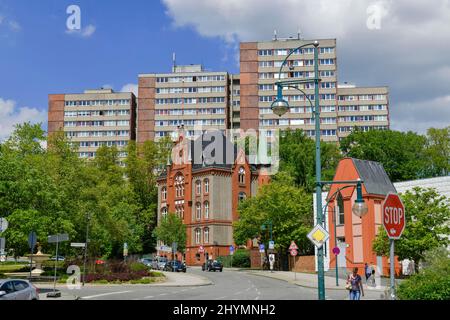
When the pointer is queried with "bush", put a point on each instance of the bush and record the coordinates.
(137, 266)
(241, 259)
(432, 282)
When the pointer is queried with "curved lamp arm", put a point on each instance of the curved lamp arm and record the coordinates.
(291, 53)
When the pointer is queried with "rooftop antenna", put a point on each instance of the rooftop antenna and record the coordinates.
(299, 34)
(174, 60)
(275, 37)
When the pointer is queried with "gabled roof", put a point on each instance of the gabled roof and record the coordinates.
(376, 180)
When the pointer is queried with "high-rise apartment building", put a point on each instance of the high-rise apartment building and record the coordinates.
(364, 107)
(260, 70)
(188, 96)
(94, 118)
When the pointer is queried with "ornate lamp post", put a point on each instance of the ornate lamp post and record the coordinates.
(280, 106)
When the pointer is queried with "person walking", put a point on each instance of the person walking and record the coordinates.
(367, 271)
(354, 285)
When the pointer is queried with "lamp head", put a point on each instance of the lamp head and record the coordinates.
(359, 207)
(316, 43)
(280, 107)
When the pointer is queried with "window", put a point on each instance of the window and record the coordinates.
(340, 209)
(206, 205)
(198, 185)
(241, 175)
(20, 285)
(265, 52)
(7, 287)
(198, 211)
(164, 194)
(206, 181)
(198, 236)
(179, 186)
(164, 212)
(206, 235)
(242, 196)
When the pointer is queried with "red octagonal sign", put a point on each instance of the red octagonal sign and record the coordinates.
(393, 216)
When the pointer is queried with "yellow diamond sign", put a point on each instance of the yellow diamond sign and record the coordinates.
(318, 236)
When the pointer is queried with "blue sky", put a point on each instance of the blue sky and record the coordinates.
(131, 37)
(120, 39)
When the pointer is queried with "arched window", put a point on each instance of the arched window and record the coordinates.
(179, 186)
(198, 185)
(164, 194)
(206, 181)
(198, 211)
(198, 236)
(164, 212)
(242, 196)
(206, 208)
(206, 235)
(180, 211)
(340, 204)
(241, 175)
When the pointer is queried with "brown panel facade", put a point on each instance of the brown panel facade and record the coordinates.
(55, 112)
(249, 86)
(146, 109)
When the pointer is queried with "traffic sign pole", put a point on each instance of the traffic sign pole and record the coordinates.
(392, 257)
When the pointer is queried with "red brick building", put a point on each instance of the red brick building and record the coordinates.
(206, 194)
(355, 235)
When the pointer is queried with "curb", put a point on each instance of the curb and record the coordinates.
(308, 286)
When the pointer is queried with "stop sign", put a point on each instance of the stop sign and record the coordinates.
(393, 216)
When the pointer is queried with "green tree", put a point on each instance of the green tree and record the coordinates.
(430, 283)
(170, 230)
(298, 158)
(438, 150)
(287, 206)
(427, 215)
(403, 155)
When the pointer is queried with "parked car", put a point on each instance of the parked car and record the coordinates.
(12, 289)
(148, 262)
(175, 266)
(213, 266)
(161, 263)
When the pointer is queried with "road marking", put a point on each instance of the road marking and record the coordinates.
(105, 294)
(220, 298)
(239, 292)
(163, 294)
(149, 297)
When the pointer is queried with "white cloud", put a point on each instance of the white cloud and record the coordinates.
(85, 32)
(408, 52)
(130, 87)
(9, 24)
(10, 115)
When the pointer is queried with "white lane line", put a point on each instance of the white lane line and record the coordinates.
(220, 298)
(148, 297)
(105, 294)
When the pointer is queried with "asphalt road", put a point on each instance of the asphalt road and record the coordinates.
(226, 285)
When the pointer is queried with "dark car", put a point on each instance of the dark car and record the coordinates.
(213, 266)
(175, 266)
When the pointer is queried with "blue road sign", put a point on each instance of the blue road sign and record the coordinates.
(32, 239)
(261, 248)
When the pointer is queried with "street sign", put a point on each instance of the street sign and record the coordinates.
(393, 216)
(293, 246)
(294, 252)
(125, 249)
(262, 248)
(201, 249)
(318, 236)
(336, 251)
(2, 244)
(58, 238)
(174, 246)
(32, 239)
(231, 250)
(271, 245)
(3, 224)
(78, 245)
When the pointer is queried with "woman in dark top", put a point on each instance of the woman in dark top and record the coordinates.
(354, 280)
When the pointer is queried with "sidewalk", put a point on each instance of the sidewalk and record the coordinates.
(308, 280)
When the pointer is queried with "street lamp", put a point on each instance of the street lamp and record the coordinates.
(280, 106)
(359, 208)
(88, 219)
